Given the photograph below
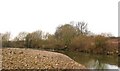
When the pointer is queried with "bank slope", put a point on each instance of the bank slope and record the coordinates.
(20, 58)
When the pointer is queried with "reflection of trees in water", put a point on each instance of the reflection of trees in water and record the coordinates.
(95, 64)
(119, 61)
(113, 60)
(93, 61)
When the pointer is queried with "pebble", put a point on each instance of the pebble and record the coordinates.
(37, 59)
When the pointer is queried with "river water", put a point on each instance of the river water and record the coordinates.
(92, 61)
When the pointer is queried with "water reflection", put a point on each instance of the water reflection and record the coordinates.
(94, 61)
(95, 64)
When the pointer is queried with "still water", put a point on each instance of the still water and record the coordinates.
(94, 61)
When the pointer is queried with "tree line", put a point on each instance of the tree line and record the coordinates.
(73, 37)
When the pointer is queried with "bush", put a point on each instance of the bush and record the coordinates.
(100, 44)
(82, 43)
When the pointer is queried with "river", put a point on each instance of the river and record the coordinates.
(92, 61)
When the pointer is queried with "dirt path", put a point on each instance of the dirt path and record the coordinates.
(16, 58)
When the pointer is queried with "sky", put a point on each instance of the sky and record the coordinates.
(31, 15)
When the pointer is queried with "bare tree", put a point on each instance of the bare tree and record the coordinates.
(82, 27)
(5, 39)
(34, 39)
(21, 36)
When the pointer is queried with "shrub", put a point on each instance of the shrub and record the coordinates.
(100, 44)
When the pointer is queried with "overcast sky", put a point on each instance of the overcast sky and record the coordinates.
(31, 15)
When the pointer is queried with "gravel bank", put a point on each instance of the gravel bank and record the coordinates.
(20, 58)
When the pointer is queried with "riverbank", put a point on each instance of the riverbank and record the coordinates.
(21, 58)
